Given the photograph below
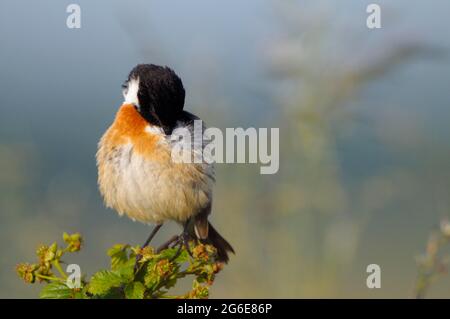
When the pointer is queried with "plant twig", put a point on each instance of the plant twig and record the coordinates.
(432, 264)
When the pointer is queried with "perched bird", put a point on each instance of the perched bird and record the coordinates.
(136, 173)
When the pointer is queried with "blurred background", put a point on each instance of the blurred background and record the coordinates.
(363, 115)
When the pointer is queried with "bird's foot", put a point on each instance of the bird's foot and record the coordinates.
(182, 241)
(172, 242)
(185, 238)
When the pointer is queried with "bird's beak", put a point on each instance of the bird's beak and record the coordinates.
(166, 128)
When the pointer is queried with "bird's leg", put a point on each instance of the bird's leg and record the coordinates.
(180, 244)
(167, 244)
(152, 234)
(185, 239)
(181, 240)
(147, 242)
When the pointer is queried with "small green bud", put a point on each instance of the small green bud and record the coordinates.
(73, 241)
(27, 272)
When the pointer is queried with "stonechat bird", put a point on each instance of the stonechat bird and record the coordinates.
(137, 175)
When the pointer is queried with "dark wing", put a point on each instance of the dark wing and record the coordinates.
(199, 140)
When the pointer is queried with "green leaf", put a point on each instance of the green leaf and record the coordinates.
(56, 290)
(117, 248)
(103, 281)
(183, 257)
(119, 255)
(171, 252)
(113, 293)
(134, 290)
(171, 282)
(151, 281)
(126, 270)
(81, 294)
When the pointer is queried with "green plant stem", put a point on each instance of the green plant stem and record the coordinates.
(49, 278)
(60, 270)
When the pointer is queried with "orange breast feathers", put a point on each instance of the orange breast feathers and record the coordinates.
(130, 127)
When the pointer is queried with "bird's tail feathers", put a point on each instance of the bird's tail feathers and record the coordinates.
(220, 243)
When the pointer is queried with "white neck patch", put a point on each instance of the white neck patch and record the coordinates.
(131, 93)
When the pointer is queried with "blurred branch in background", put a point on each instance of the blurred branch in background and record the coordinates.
(433, 264)
(321, 73)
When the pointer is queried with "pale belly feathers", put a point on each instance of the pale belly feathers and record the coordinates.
(152, 191)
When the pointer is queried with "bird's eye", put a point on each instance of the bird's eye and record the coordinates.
(124, 89)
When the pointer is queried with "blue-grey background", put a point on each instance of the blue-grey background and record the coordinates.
(363, 117)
